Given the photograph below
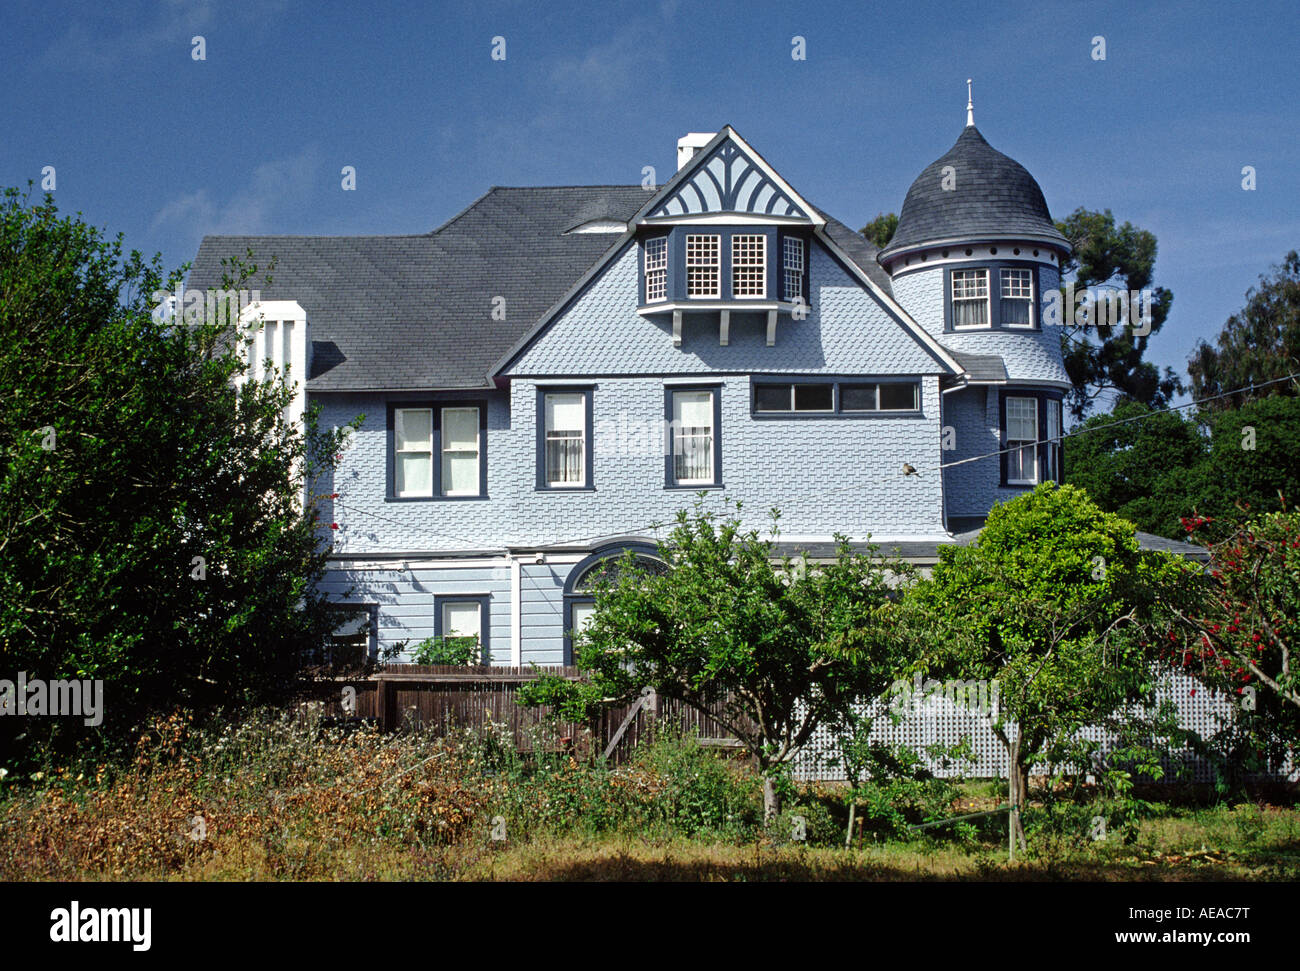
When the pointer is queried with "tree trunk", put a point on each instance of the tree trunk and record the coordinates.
(1017, 791)
(848, 834)
(771, 799)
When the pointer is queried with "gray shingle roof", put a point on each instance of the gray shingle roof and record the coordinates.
(861, 250)
(993, 196)
(981, 367)
(416, 311)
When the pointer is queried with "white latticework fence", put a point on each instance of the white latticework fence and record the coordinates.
(939, 720)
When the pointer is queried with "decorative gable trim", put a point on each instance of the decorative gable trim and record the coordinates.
(727, 175)
(729, 182)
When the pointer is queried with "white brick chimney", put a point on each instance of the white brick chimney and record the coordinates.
(690, 143)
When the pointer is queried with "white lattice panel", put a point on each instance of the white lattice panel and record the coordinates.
(938, 720)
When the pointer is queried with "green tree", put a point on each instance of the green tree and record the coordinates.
(1239, 631)
(775, 647)
(1154, 468)
(1145, 465)
(881, 229)
(1257, 346)
(1053, 603)
(1109, 359)
(152, 532)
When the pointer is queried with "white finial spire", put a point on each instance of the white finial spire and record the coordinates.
(970, 106)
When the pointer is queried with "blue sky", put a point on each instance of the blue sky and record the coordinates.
(148, 141)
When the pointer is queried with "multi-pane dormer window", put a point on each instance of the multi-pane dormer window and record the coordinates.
(748, 265)
(1017, 298)
(970, 298)
(703, 265)
(792, 267)
(656, 269)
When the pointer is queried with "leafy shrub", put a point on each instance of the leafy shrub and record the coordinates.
(448, 650)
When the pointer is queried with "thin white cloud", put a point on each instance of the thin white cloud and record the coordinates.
(274, 190)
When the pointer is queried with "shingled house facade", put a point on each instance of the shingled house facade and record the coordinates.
(554, 371)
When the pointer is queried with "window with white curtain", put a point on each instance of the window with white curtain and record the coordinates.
(460, 451)
(1022, 441)
(1017, 297)
(566, 434)
(692, 437)
(970, 298)
(413, 444)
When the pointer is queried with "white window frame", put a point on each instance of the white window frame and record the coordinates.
(477, 451)
(969, 279)
(656, 269)
(792, 267)
(703, 258)
(1021, 445)
(401, 446)
(710, 436)
(1003, 273)
(749, 266)
(547, 432)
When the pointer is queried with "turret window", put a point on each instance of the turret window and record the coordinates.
(1017, 300)
(703, 265)
(1022, 441)
(970, 298)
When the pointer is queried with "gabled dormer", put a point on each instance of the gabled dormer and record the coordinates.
(726, 234)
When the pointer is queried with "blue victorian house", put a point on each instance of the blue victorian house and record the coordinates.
(555, 370)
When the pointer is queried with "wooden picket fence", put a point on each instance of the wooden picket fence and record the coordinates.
(443, 698)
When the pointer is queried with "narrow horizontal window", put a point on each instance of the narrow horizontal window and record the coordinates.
(794, 397)
(882, 396)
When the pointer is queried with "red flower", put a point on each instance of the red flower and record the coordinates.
(334, 525)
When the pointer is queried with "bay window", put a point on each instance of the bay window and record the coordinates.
(792, 267)
(656, 269)
(703, 265)
(748, 265)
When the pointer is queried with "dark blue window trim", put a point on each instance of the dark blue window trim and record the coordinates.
(676, 282)
(669, 478)
(484, 602)
(588, 390)
(436, 405)
(1045, 448)
(994, 266)
(836, 383)
(571, 596)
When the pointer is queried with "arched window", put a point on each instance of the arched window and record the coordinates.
(580, 588)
